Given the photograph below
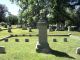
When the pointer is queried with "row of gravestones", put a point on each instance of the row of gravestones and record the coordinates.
(65, 40)
(17, 40)
(27, 40)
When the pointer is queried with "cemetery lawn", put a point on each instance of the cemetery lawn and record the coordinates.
(26, 50)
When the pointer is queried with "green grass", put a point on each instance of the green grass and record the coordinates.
(26, 50)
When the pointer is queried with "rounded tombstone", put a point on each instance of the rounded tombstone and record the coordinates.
(78, 50)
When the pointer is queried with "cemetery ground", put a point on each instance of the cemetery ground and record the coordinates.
(26, 50)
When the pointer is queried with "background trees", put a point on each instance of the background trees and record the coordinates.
(3, 10)
(57, 11)
(13, 20)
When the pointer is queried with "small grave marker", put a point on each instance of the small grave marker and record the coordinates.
(54, 40)
(6, 40)
(26, 40)
(16, 40)
(2, 49)
(65, 40)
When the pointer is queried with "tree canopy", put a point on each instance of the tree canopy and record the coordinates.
(3, 10)
(56, 11)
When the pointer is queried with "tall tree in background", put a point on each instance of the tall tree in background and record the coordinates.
(57, 11)
(12, 19)
(3, 10)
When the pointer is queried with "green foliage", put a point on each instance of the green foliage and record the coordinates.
(57, 11)
(3, 10)
(12, 19)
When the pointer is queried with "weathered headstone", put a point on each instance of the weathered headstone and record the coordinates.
(50, 28)
(2, 49)
(65, 40)
(16, 40)
(6, 40)
(9, 29)
(42, 44)
(0, 29)
(69, 28)
(30, 29)
(54, 40)
(26, 40)
(62, 27)
(57, 27)
(16, 35)
(23, 35)
(11, 35)
(78, 50)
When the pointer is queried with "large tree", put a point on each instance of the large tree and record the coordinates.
(56, 10)
(3, 10)
(12, 19)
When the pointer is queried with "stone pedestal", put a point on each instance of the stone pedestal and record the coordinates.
(42, 44)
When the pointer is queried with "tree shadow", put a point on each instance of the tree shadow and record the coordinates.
(60, 54)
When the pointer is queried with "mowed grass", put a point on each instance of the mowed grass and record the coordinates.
(27, 50)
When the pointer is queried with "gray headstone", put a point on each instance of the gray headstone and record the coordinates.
(69, 28)
(6, 40)
(50, 28)
(9, 29)
(78, 50)
(11, 35)
(26, 40)
(0, 29)
(16, 40)
(57, 27)
(23, 35)
(65, 40)
(54, 40)
(2, 49)
(30, 29)
(16, 35)
(42, 44)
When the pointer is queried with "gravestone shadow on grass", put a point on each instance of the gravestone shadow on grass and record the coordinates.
(60, 54)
